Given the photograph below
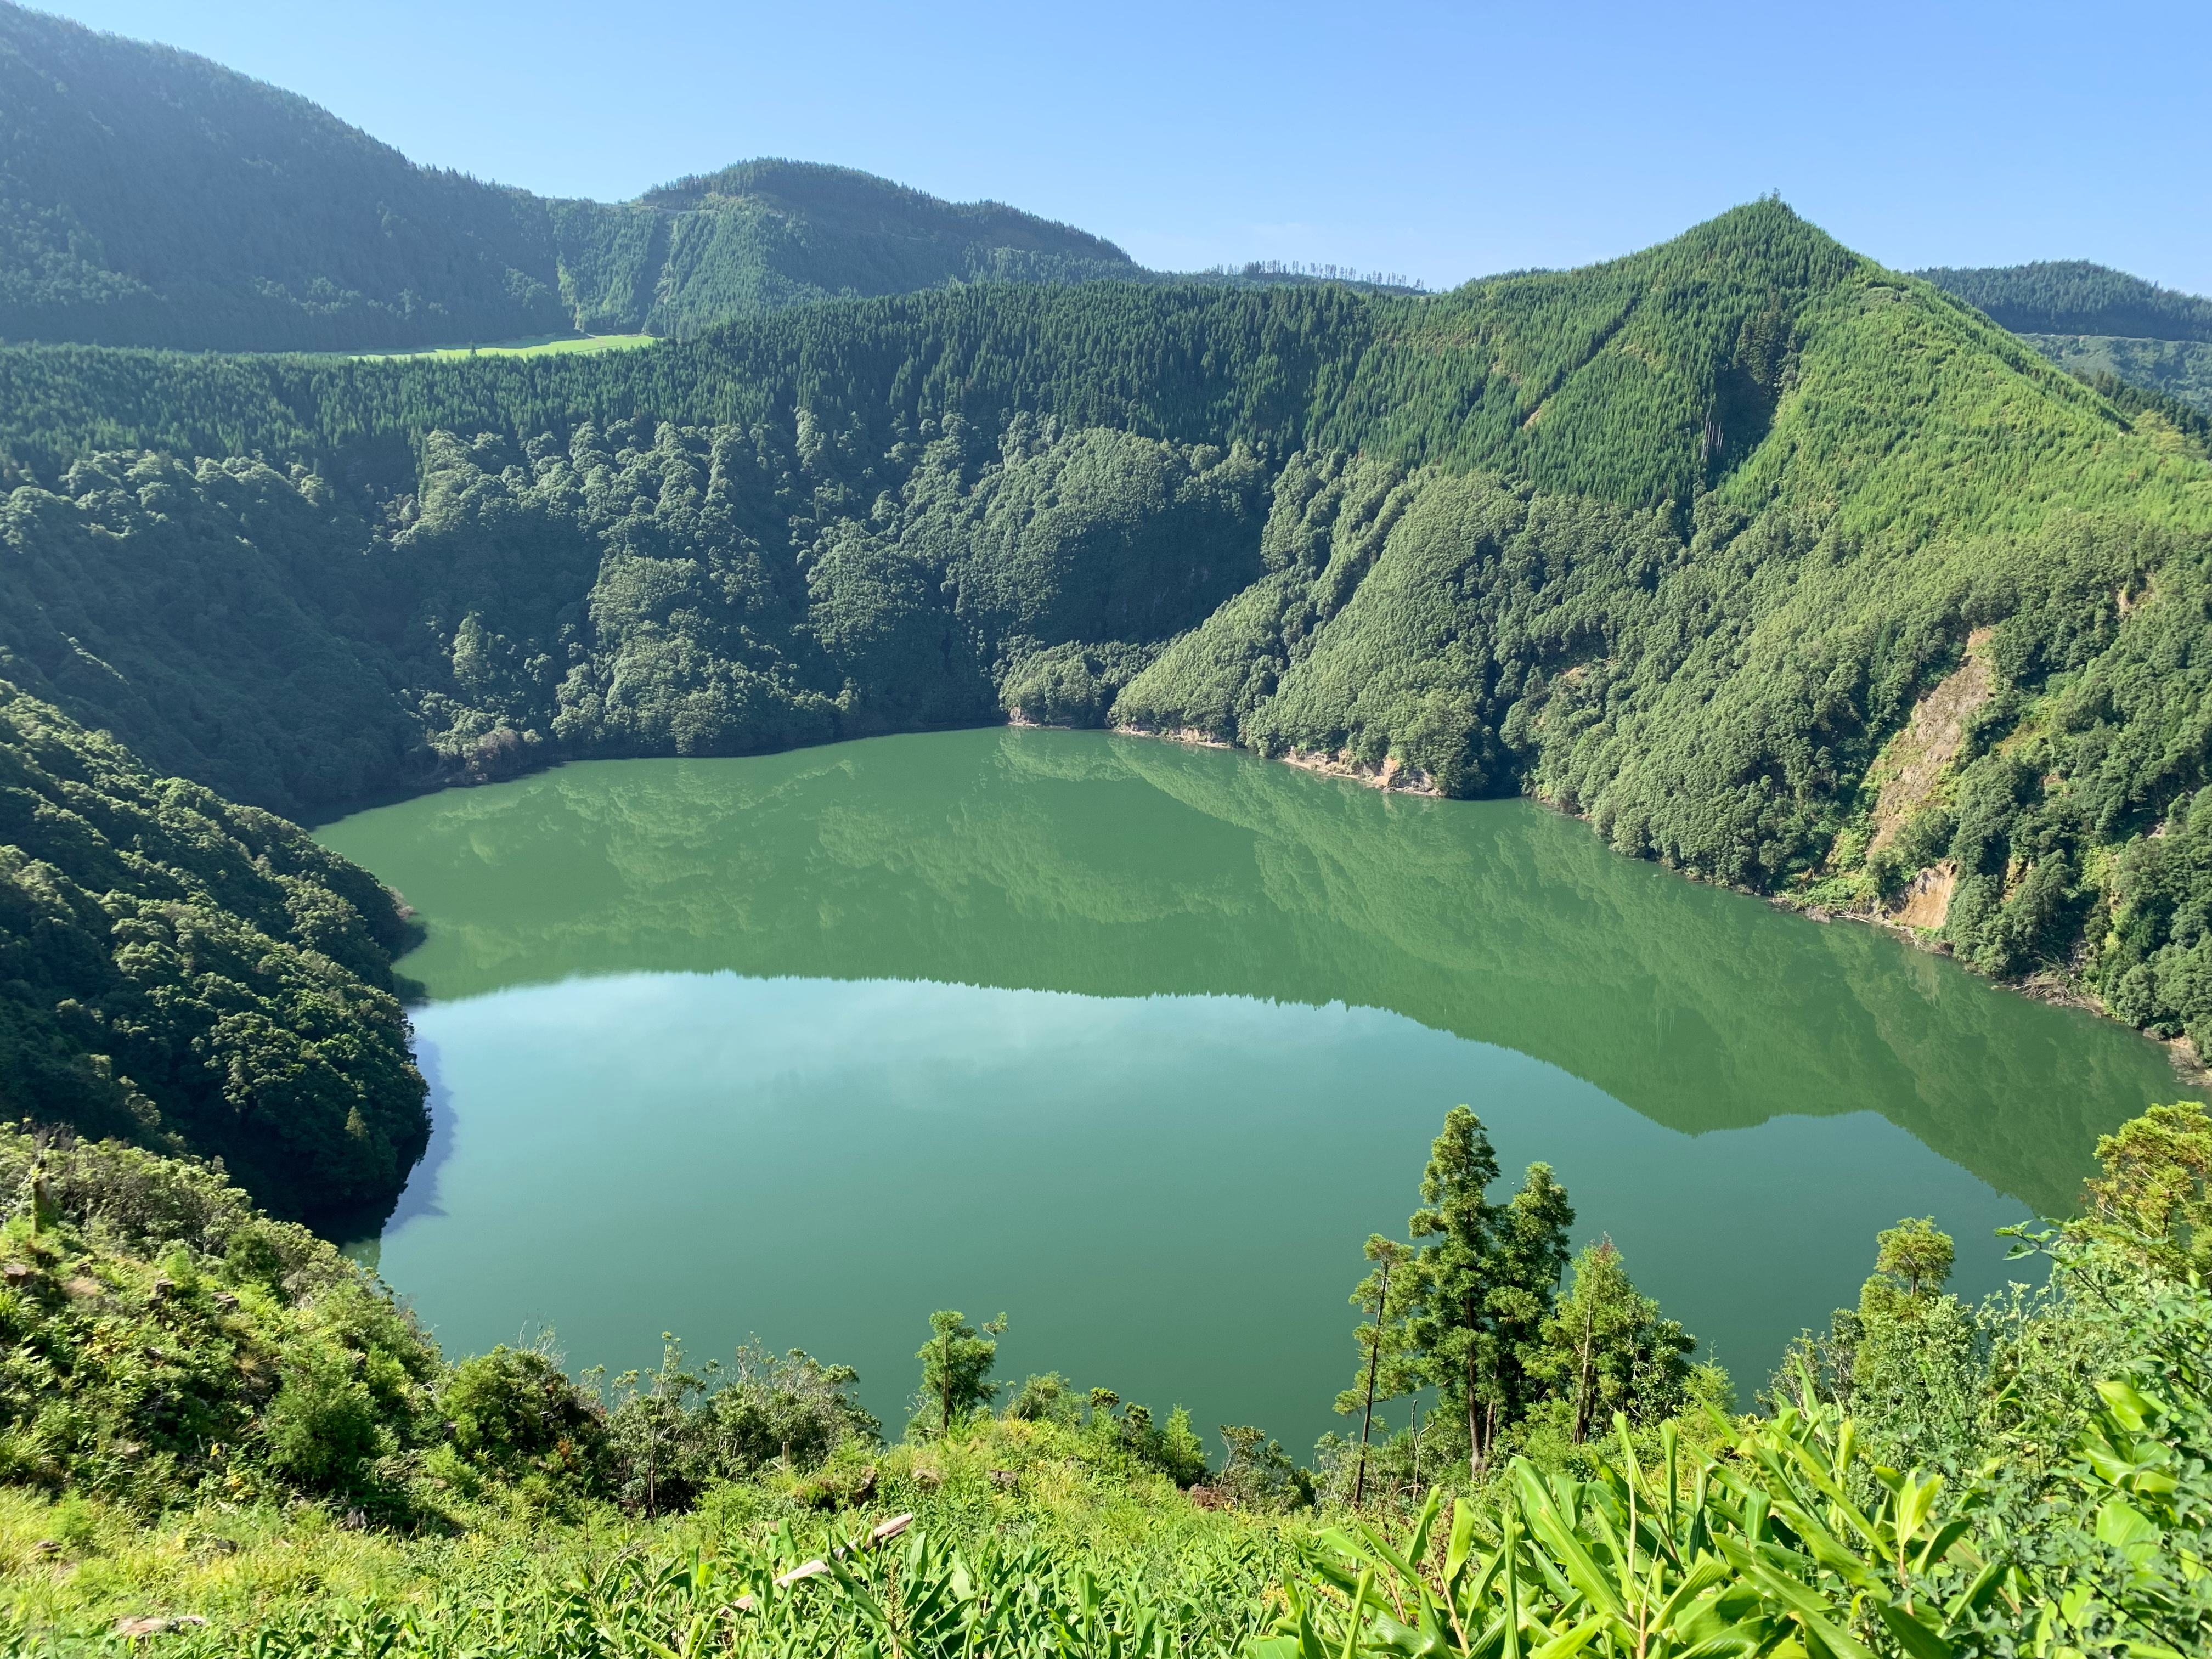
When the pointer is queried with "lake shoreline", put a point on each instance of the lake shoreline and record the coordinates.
(2189, 1067)
(1388, 777)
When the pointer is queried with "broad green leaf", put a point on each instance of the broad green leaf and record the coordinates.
(1915, 1638)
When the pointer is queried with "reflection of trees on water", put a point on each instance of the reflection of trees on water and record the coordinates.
(1121, 866)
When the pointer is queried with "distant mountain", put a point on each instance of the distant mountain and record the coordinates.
(151, 197)
(2073, 296)
(2096, 320)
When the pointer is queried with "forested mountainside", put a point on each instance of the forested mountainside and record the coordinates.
(2180, 371)
(2096, 320)
(1777, 566)
(151, 197)
(2074, 296)
(195, 975)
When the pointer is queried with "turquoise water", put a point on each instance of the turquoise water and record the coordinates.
(1138, 1043)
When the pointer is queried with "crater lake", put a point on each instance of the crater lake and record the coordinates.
(1138, 1042)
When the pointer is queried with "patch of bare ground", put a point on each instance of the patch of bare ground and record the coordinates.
(1930, 742)
(2059, 991)
(1185, 735)
(2188, 1064)
(1390, 773)
(1926, 899)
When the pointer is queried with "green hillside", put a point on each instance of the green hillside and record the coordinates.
(2178, 370)
(151, 197)
(1679, 542)
(195, 975)
(2074, 296)
(2095, 320)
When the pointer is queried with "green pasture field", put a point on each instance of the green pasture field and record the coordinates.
(544, 345)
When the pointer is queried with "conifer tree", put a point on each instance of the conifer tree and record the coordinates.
(1606, 1348)
(956, 1367)
(1387, 1371)
(1488, 1279)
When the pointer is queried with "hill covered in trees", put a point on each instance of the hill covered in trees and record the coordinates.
(195, 975)
(2096, 320)
(1681, 541)
(151, 197)
(2074, 296)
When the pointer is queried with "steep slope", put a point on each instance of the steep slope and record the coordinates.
(2180, 370)
(768, 233)
(151, 197)
(195, 975)
(1678, 541)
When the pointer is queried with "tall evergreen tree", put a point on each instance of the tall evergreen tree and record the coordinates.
(1488, 1279)
(1387, 1296)
(956, 1368)
(1606, 1349)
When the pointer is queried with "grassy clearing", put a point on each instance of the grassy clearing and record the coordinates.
(544, 345)
(74, 1565)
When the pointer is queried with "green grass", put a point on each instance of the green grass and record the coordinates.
(542, 345)
(73, 1565)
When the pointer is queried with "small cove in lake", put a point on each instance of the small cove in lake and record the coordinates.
(1139, 1043)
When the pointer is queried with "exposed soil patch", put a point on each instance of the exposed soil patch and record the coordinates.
(1930, 743)
(2188, 1065)
(1926, 899)
(1389, 774)
(1188, 734)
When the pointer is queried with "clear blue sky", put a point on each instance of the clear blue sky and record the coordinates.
(1442, 141)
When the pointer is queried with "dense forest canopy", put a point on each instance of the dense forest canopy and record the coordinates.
(1680, 541)
(2100, 323)
(195, 975)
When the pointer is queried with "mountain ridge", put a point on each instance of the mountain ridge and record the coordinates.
(2077, 296)
(149, 196)
(2093, 320)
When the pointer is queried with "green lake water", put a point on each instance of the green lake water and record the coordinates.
(1138, 1042)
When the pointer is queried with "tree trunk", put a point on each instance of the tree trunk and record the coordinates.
(1475, 1446)
(945, 1388)
(1374, 1362)
(1473, 1424)
(1582, 1379)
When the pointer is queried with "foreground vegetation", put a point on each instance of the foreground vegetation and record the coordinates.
(217, 1434)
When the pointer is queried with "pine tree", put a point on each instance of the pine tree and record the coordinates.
(1606, 1349)
(1487, 1280)
(956, 1368)
(1386, 1297)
